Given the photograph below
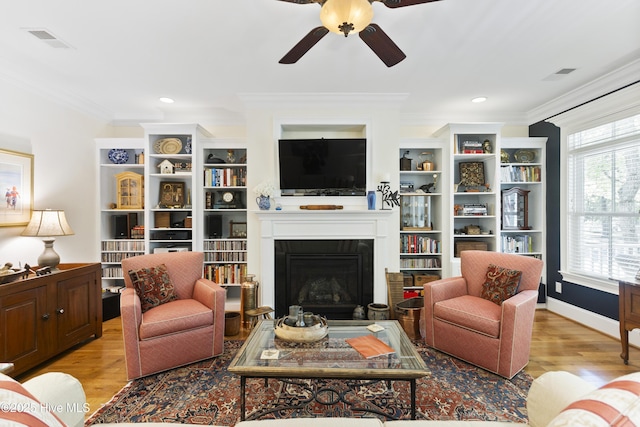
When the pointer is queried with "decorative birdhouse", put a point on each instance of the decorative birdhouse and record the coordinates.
(166, 167)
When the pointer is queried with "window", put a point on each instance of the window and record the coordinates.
(603, 207)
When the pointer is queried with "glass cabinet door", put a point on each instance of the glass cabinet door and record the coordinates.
(515, 209)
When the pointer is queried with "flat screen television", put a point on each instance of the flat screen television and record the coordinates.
(323, 166)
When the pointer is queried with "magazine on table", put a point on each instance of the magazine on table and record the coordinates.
(370, 346)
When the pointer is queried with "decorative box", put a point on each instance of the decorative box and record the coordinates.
(162, 219)
(472, 229)
(421, 279)
(408, 280)
(470, 245)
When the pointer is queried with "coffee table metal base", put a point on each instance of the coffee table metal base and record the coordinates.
(340, 394)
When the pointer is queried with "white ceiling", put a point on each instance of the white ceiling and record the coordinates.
(126, 54)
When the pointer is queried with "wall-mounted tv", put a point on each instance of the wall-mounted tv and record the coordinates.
(323, 166)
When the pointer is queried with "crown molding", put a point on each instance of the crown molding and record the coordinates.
(623, 76)
(57, 96)
(615, 106)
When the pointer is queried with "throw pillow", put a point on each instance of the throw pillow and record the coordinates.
(500, 283)
(153, 286)
(19, 407)
(616, 403)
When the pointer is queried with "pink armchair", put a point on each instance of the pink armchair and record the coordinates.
(185, 330)
(458, 321)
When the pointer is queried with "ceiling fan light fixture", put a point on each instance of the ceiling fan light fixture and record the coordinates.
(346, 16)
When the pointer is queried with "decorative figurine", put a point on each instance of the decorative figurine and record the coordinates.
(389, 197)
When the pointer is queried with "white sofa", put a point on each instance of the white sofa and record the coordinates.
(547, 402)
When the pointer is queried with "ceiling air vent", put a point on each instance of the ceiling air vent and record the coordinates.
(48, 38)
(560, 74)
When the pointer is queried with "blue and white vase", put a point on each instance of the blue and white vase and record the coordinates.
(264, 203)
(371, 200)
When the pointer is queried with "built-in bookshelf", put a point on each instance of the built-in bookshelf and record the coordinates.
(474, 197)
(120, 230)
(195, 199)
(421, 219)
(224, 214)
(522, 166)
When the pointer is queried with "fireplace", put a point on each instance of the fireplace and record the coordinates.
(326, 277)
(345, 224)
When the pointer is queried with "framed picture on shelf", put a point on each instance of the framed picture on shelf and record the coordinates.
(172, 194)
(237, 229)
(471, 174)
(16, 175)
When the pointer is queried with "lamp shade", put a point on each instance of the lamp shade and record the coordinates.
(345, 16)
(48, 223)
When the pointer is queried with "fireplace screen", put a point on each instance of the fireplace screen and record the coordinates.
(317, 280)
(323, 278)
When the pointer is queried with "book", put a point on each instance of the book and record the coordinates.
(369, 346)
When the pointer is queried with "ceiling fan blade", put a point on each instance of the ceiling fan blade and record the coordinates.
(304, 45)
(382, 45)
(402, 3)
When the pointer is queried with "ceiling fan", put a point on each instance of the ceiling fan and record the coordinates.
(346, 17)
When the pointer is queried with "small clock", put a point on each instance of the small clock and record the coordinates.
(487, 147)
(227, 200)
(228, 197)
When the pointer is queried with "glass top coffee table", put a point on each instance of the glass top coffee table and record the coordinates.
(264, 355)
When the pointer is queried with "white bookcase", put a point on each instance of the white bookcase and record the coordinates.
(114, 245)
(522, 165)
(422, 222)
(180, 202)
(474, 202)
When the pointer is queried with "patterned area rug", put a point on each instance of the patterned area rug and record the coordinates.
(206, 393)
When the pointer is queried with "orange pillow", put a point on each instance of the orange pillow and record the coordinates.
(500, 284)
(21, 408)
(616, 403)
(153, 286)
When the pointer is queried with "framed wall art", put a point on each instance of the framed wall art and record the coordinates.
(472, 174)
(237, 229)
(16, 179)
(171, 194)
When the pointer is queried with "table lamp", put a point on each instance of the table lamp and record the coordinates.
(47, 224)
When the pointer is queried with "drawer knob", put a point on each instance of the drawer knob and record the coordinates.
(60, 311)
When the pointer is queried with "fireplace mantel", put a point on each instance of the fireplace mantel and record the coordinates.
(319, 225)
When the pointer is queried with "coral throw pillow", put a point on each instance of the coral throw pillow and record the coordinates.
(616, 403)
(153, 286)
(21, 408)
(500, 284)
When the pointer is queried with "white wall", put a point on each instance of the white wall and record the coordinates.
(61, 141)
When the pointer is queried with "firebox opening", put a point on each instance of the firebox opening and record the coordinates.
(326, 277)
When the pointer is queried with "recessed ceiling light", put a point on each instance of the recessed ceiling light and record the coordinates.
(479, 99)
(166, 100)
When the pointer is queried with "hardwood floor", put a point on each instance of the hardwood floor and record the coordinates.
(557, 344)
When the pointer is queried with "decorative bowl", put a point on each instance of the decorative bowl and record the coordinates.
(168, 146)
(12, 276)
(118, 156)
(301, 333)
(524, 156)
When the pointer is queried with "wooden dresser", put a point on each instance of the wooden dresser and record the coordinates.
(41, 316)
(629, 312)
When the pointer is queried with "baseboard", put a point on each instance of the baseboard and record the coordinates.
(592, 320)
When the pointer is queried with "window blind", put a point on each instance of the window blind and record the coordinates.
(604, 200)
